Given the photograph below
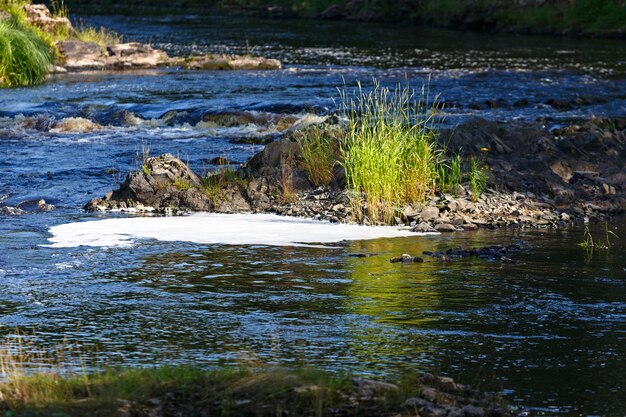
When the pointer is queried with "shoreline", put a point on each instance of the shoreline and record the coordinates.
(190, 391)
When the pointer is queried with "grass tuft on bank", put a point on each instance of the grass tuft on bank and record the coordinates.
(190, 391)
(27, 50)
(390, 153)
(24, 56)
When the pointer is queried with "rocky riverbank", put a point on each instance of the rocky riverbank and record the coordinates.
(187, 392)
(96, 50)
(87, 56)
(536, 178)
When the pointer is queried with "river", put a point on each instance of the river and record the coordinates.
(548, 332)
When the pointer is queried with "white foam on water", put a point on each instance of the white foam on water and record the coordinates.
(212, 228)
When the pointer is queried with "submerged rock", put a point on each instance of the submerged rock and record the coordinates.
(133, 55)
(38, 205)
(74, 125)
(227, 62)
(493, 252)
(28, 206)
(407, 259)
(11, 211)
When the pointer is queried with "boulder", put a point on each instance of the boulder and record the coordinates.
(163, 182)
(369, 388)
(74, 125)
(39, 15)
(35, 206)
(423, 228)
(133, 55)
(81, 56)
(429, 213)
(410, 213)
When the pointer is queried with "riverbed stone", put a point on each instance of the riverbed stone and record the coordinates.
(423, 227)
(417, 403)
(133, 55)
(227, 62)
(473, 411)
(369, 388)
(430, 394)
(37, 205)
(446, 228)
(80, 56)
(429, 213)
(410, 212)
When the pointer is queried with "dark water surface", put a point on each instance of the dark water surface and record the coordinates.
(549, 332)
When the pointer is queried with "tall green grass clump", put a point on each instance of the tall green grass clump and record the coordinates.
(318, 157)
(478, 178)
(450, 174)
(390, 153)
(100, 36)
(16, 9)
(24, 57)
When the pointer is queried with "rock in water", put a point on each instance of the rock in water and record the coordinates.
(81, 56)
(133, 55)
(163, 182)
(228, 62)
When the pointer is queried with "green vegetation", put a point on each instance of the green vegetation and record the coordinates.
(221, 392)
(53, 382)
(590, 244)
(16, 9)
(450, 175)
(578, 16)
(146, 169)
(477, 177)
(26, 50)
(100, 36)
(214, 184)
(590, 17)
(24, 57)
(390, 153)
(318, 153)
(181, 184)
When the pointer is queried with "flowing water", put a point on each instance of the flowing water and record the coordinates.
(549, 332)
